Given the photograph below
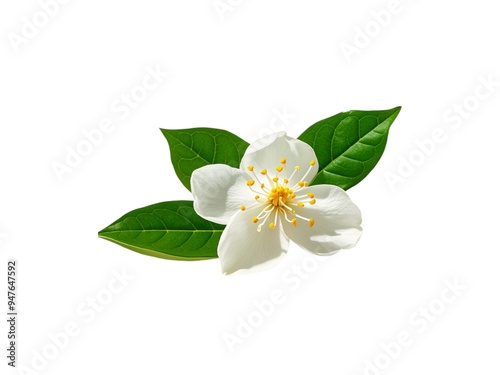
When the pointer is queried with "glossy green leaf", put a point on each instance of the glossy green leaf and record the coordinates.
(349, 145)
(170, 230)
(193, 148)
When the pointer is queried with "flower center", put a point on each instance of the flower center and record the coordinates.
(280, 195)
(279, 200)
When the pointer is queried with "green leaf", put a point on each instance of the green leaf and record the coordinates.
(169, 230)
(193, 148)
(349, 145)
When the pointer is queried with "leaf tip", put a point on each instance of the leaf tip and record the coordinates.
(396, 110)
(104, 233)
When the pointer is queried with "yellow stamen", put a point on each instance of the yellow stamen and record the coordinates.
(264, 171)
(313, 162)
(312, 201)
(283, 161)
(243, 208)
(311, 222)
(297, 167)
(294, 222)
(262, 185)
(310, 195)
(301, 183)
(279, 195)
(250, 182)
(300, 204)
(306, 183)
(257, 197)
(250, 168)
(275, 179)
(255, 220)
(271, 225)
(280, 168)
(286, 180)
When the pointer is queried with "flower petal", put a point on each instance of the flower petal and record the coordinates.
(219, 191)
(267, 153)
(243, 248)
(337, 221)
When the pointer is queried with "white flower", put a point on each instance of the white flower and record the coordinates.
(268, 202)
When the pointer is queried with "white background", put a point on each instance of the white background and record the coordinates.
(235, 71)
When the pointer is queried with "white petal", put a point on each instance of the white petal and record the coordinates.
(242, 248)
(337, 221)
(266, 153)
(219, 191)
